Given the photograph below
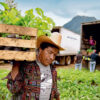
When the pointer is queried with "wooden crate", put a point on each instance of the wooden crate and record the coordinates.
(13, 42)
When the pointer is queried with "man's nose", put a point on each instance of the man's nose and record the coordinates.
(52, 57)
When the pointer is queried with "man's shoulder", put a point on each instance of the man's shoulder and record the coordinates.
(53, 67)
(27, 64)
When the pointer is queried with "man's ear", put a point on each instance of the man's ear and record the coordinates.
(40, 50)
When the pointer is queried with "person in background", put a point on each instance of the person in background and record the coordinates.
(86, 59)
(93, 57)
(36, 80)
(78, 61)
(92, 43)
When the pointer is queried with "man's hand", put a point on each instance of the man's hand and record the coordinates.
(15, 70)
(58, 98)
(75, 58)
(99, 53)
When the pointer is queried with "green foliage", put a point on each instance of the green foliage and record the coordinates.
(11, 3)
(40, 12)
(79, 85)
(89, 50)
(4, 93)
(43, 23)
(5, 5)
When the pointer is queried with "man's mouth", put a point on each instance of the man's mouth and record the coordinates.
(49, 61)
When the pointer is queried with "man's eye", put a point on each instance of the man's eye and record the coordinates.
(50, 52)
(55, 54)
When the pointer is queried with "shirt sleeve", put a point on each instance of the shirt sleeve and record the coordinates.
(15, 86)
(57, 94)
(97, 55)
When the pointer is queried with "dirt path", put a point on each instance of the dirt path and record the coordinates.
(67, 66)
(9, 66)
(6, 66)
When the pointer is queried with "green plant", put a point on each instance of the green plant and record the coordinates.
(79, 85)
(4, 93)
(12, 16)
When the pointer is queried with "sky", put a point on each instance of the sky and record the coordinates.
(62, 11)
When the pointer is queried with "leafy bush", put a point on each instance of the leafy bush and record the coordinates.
(4, 93)
(79, 85)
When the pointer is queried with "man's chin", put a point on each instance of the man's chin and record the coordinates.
(46, 64)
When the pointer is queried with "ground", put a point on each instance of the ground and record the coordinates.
(6, 66)
(9, 66)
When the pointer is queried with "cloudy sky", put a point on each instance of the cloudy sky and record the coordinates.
(62, 11)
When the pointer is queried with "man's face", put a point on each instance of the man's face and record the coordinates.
(91, 37)
(47, 56)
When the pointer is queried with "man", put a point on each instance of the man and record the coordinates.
(37, 80)
(78, 61)
(93, 60)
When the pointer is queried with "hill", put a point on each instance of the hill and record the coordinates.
(75, 24)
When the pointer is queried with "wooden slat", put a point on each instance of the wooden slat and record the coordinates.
(4, 28)
(17, 55)
(32, 38)
(17, 42)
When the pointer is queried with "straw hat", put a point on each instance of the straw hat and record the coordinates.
(54, 39)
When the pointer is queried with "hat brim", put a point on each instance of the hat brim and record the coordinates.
(46, 39)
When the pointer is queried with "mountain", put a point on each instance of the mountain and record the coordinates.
(75, 24)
